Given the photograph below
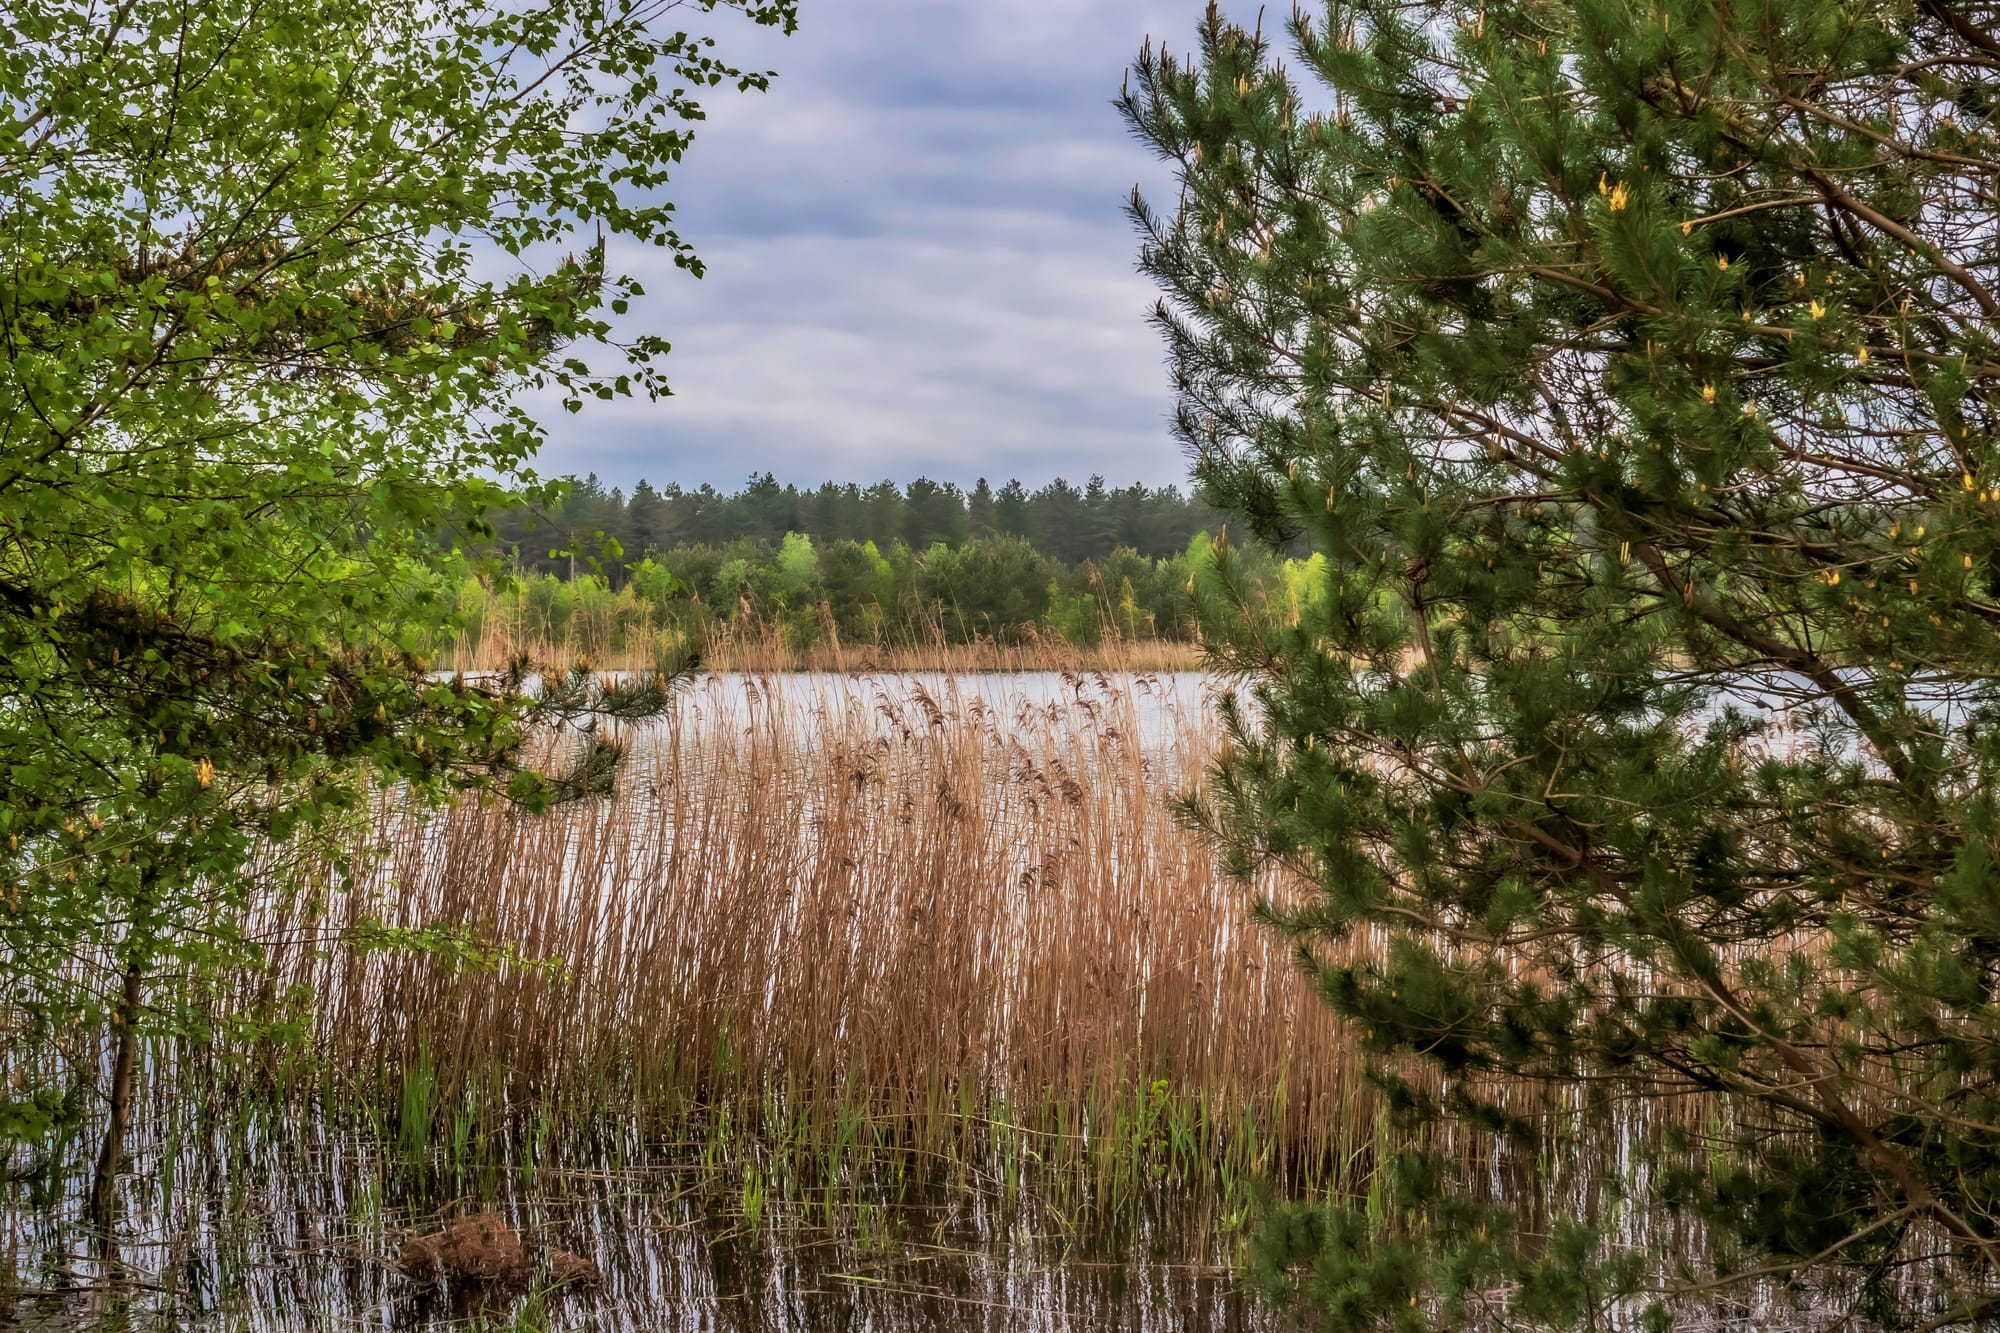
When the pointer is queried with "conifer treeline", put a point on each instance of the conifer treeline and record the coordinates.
(608, 531)
(881, 565)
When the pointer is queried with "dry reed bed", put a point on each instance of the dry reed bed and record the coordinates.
(762, 648)
(861, 903)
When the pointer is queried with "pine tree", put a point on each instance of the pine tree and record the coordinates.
(982, 515)
(1056, 521)
(882, 510)
(646, 521)
(764, 510)
(933, 512)
(1632, 368)
(1010, 509)
(1096, 536)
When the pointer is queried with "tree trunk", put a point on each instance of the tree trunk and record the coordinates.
(104, 1185)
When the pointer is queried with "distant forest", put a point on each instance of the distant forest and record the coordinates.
(605, 531)
(845, 564)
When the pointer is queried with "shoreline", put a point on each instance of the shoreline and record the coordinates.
(1158, 656)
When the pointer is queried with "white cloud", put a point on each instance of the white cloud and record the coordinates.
(917, 260)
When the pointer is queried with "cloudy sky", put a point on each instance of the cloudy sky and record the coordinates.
(918, 262)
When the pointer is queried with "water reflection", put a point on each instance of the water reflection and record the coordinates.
(306, 1235)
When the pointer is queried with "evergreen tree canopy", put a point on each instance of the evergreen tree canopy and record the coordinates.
(982, 515)
(1632, 369)
(1010, 509)
(576, 526)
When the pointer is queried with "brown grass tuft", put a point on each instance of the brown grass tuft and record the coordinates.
(762, 649)
(481, 1248)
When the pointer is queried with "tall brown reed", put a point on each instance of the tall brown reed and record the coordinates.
(757, 646)
(865, 904)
